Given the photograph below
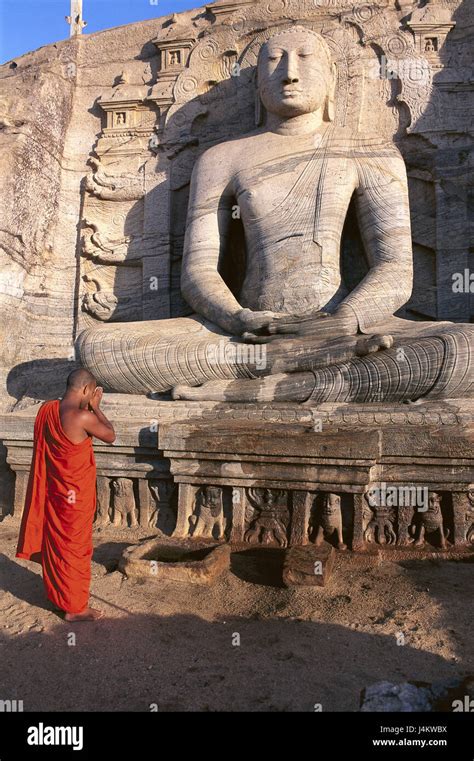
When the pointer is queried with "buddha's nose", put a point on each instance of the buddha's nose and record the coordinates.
(291, 73)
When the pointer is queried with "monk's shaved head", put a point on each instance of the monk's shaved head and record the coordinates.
(80, 378)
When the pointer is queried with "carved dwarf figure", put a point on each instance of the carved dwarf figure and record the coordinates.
(404, 523)
(267, 526)
(431, 522)
(209, 519)
(378, 521)
(163, 516)
(331, 521)
(470, 515)
(125, 513)
(103, 502)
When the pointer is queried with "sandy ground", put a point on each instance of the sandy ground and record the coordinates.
(174, 645)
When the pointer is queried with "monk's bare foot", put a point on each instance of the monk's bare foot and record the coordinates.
(89, 614)
(371, 344)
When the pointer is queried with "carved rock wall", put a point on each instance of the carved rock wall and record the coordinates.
(99, 136)
(38, 211)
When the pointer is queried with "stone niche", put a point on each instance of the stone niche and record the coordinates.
(99, 137)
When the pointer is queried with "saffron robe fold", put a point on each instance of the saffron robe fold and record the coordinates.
(56, 526)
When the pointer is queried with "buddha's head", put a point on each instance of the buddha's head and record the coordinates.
(295, 74)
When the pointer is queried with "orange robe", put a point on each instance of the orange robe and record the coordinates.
(56, 527)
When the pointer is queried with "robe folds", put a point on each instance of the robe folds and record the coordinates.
(56, 526)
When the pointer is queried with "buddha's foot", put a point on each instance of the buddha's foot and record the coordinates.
(429, 366)
(282, 387)
(371, 344)
(188, 393)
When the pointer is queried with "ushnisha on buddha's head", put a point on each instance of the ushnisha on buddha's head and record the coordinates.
(295, 74)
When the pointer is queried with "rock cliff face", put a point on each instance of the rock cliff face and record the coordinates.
(49, 123)
(37, 262)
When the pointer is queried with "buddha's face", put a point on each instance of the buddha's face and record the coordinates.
(293, 74)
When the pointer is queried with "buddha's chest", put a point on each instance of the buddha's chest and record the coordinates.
(287, 190)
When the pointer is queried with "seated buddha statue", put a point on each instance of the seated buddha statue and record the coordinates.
(292, 179)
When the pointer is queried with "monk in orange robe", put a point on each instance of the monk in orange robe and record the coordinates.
(56, 526)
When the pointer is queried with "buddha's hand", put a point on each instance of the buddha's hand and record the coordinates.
(318, 324)
(255, 326)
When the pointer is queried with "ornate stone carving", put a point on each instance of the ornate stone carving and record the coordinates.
(379, 523)
(208, 519)
(470, 516)
(431, 522)
(105, 251)
(430, 26)
(124, 506)
(268, 520)
(123, 187)
(174, 54)
(163, 516)
(102, 517)
(101, 304)
(405, 516)
(328, 521)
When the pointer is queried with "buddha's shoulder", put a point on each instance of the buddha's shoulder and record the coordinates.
(230, 147)
(361, 145)
(222, 158)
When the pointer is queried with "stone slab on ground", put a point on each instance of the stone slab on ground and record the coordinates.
(308, 566)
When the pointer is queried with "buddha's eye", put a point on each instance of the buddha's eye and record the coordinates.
(305, 55)
(274, 57)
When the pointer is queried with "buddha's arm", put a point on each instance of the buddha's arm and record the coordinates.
(209, 215)
(384, 220)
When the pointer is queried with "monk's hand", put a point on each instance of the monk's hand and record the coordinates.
(96, 398)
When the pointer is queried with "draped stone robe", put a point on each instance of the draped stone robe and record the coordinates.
(293, 205)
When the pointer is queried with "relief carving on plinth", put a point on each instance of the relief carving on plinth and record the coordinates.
(470, 516)
(326, 521)
(124, 505)
(267, 517)
(208, 520)
(163, 513)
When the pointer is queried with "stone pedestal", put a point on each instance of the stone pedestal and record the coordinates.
(260, 475)
(400, 475)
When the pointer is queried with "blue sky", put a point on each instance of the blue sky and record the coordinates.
(28, 24)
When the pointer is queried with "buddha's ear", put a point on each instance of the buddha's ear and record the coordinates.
(329, 108)
(259, 107)
(259, 110)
